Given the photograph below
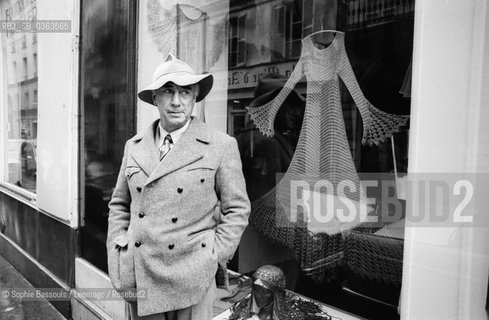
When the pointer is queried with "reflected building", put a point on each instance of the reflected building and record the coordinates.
(20, 62)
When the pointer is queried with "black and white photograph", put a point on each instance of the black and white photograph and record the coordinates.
(244, 159)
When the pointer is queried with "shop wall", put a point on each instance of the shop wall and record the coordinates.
(46, 240)
(446, 269)
(38, 132)
(56, 107)
(41, 248)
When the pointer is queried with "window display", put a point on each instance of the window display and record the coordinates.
(304, 104)
(322, 152)
(335, 110)
(269, 300)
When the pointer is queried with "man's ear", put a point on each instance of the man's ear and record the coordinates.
(154, 98)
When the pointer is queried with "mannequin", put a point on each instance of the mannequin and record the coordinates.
(270, 301)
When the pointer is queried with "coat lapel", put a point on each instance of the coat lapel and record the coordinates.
(145, 153)
(189, 148)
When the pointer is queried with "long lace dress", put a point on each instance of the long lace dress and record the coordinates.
(322, 159)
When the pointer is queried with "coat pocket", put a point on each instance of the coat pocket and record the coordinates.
(201, 168)
(121, 264)
(130, 171)
(203, 241)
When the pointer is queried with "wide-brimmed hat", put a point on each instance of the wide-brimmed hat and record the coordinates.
(176, 71)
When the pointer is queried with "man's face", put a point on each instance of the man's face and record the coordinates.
(175, 104)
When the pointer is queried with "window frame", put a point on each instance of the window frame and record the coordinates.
(454, 272)
(284, 25)
(306, 32)
(234, 35)
(26, 196)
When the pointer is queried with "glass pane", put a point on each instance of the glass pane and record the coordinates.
(297, 11)
(288, 26)
(313, 133)
(307, 15)
(281, 20)
(316, 112)
(242, 28)
(107, 73)
(241, 51)
(307, 31)
(297, 31)
(296, 48)
(19, 51)
(233, 59)
(234, 44)
(233, 24)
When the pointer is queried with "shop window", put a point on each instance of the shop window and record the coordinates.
(108, 91)
(237, 40)
(378, 41)
(293, 29)
(279, 30)
(21, 115)
(288, 24)
(314, 126)
(307, 21)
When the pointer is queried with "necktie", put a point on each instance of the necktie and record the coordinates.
(167, 144)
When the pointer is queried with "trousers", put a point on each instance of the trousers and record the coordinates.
(200, 311)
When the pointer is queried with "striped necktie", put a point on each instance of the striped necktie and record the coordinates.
(167, 145)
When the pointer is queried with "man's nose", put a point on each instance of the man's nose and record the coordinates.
(176, 99)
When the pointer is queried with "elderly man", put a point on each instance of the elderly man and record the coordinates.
(179, 206)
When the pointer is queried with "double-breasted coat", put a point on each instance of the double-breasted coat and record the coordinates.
(173, 221)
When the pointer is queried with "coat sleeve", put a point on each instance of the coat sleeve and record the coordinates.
(119, 206)
(235, 205)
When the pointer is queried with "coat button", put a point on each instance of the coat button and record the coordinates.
(171, 246)
(174, 219)
(141, 214)
(179, 190)
(202, 180)
(137, 244)
(139, 189)
(203, 245)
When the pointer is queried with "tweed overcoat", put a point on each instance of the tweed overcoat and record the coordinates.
(171, 222)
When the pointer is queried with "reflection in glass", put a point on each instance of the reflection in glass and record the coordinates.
(378, 41)
(19, 52)
(264, 157)
(107, 93)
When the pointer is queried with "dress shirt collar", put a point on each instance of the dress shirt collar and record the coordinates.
(175, 135)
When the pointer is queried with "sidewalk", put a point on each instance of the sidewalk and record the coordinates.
(16, 309)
